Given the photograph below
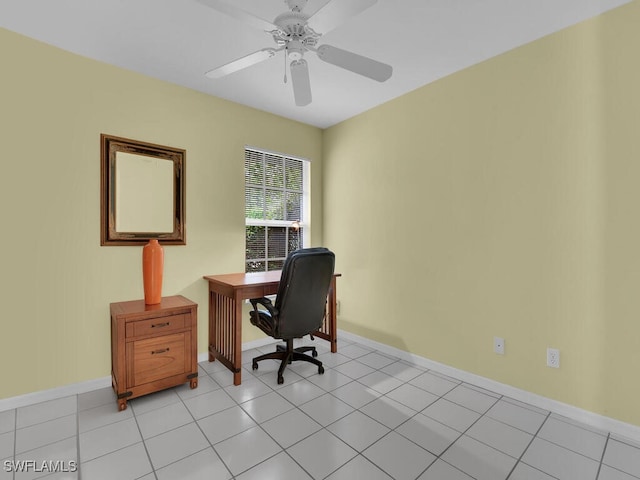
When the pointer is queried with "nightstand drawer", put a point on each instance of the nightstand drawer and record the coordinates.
(156, 326)
(158, 358)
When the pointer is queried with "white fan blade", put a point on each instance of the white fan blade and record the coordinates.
(355, 63)
(240, 63)
(239, 14)
(336, 12)
(301, 83)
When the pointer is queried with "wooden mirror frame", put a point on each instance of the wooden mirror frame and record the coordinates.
(109, 145)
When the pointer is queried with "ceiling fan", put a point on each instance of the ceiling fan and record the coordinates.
(297, 33)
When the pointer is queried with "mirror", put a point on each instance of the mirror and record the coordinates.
(142, 192)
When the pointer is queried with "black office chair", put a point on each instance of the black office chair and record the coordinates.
(300, 306)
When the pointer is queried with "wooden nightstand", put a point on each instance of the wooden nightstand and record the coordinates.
(153, 347)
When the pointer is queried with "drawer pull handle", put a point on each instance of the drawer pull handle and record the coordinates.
(163, 350)
(159, 325)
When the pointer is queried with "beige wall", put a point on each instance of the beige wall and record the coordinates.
(503, 201)
(57, 282)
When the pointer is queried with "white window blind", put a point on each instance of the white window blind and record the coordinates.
(276, 208)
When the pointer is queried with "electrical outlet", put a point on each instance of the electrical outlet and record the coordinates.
(553, 357)
(498, 345)
(337, 307)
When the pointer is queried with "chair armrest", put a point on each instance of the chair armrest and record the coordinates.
(265, 302)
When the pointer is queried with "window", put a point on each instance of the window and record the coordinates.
(276, 208)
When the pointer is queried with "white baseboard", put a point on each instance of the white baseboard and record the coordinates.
(53, 393)
(600, 422)
(89, 385)
(622, 429)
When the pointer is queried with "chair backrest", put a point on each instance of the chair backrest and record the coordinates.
(302, 293)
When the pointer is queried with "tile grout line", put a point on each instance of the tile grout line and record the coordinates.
(15, 439)
(604, 451)
(144, 444)
(439, 457)
(378, 396)
(52, 442)
(78, 436)
(569, 449)
(200, 428)
(296, 407)
(381, 395)
(548, 415)
(442, 397)
(513, 426)
(259, 424)
(323, 427)
(395, 360)
(195, 421)
(169, 430)
(535, 435)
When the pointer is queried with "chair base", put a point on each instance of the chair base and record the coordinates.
(287, 354)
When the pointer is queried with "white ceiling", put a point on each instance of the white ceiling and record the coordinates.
(179, 40)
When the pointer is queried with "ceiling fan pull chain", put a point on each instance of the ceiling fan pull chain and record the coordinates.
(285, 65)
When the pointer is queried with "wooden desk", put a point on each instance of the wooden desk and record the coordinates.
(227, 294)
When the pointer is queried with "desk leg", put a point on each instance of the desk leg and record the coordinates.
(333, 324)
(329, 330)
(212, 325)
(225, 334)
(236, 340)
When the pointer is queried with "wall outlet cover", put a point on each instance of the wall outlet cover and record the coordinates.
(553, 358)
(498, 345)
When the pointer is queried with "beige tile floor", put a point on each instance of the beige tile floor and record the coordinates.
(370, 416)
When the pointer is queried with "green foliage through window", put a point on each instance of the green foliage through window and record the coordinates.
(274, 192)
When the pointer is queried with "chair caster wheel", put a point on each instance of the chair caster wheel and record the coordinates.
(314, 353)
(254, 365)
(320, 370)
(280, 380)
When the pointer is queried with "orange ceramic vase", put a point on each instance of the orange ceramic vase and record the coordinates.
(152, 265)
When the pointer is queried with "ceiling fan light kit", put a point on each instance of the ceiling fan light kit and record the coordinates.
(298, 33)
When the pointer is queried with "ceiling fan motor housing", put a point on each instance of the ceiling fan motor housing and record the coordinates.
(292, 23)
(292, 27)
